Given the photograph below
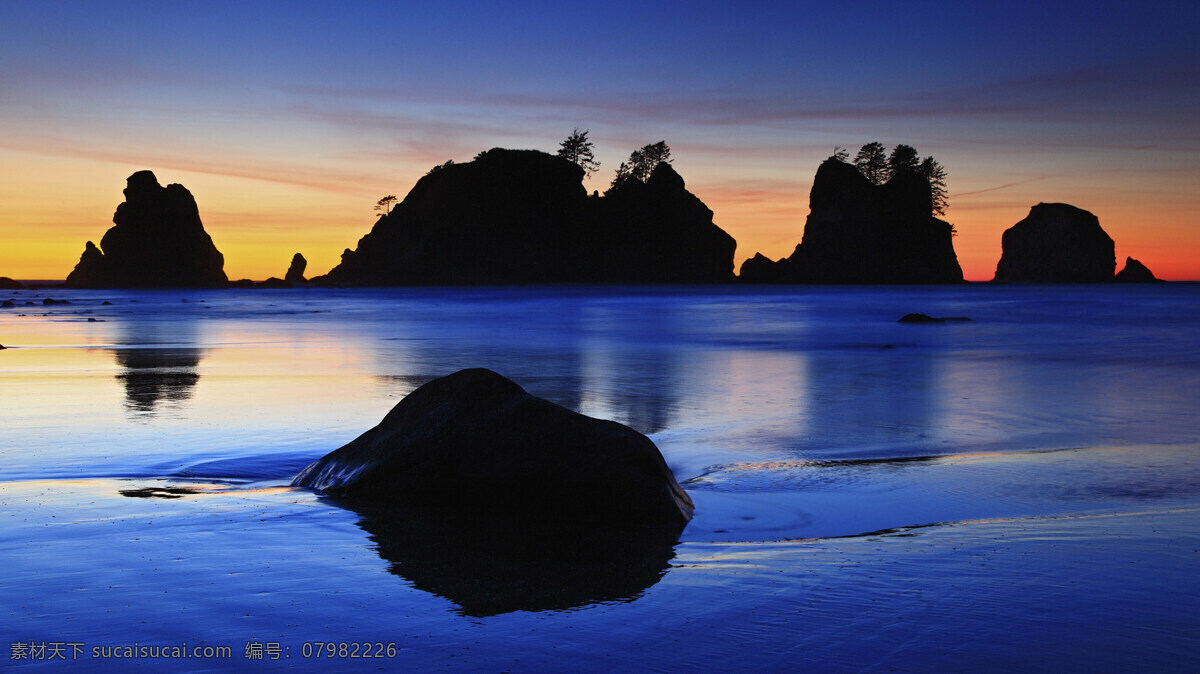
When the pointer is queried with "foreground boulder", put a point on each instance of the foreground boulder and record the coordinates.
(858, 232)
(475, 440)
(157, 241)
(522, 216)
(1056, 243)
(1136, 272)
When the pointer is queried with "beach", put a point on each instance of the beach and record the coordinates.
(1016, 491)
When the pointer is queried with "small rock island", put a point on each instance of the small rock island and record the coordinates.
(156, 241)
(1056, 243)
(1061, 243)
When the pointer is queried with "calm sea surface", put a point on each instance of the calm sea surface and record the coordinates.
(1017, 491)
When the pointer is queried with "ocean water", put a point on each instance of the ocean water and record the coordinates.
(1017, 491)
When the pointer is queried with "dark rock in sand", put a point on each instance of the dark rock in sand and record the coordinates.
(1135, 272)
(858, 232)
(157, 241)
(477, 441)
(295, 272)
(8, 284)
(522, 216)
(8, 303)
(1056, 243)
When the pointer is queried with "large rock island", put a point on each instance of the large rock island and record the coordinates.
(523, 216)
(157, 241)
(859, 232)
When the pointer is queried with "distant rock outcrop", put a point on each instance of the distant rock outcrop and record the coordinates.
(522, 216)
(8, 284)
(295, 272)
(1056, 243)
(1135, 272)
(858, 232)
(271, 282)
(476, 441)
(157, 241)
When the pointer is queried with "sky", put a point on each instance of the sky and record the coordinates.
(289, 120)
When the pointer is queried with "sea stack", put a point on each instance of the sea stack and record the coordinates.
(1056, 243)
(295, 272)
(859, 232)
(157, 241)
(523, 216)
(476, 441)
(1136, 272)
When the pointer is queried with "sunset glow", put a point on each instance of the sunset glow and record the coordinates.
(287, 122)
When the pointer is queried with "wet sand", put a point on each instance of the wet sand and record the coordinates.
(1020, 492)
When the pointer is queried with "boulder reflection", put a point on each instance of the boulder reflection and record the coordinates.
(488, 564)
(155, 375)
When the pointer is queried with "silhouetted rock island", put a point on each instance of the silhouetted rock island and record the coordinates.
(295, 272)
(1056, 243)
(858, 232)
(523, 216)
(475, 440)
(8, 284)
(157, 241)
(1136, 272)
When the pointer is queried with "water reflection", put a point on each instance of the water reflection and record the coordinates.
(158, 365)
(634, 386)
(488, 565)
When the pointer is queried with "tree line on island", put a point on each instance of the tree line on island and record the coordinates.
(523, 216)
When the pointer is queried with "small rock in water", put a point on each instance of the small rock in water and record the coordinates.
(920, 318)
(923, 318)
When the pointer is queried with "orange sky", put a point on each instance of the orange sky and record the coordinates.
(49, 206)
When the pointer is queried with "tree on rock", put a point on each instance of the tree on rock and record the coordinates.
(578, 149)
(840, 154)
(872, 162)
(642, 163)
(936, 175)
(385, 204)
(903, 158)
